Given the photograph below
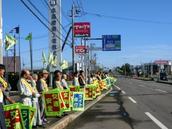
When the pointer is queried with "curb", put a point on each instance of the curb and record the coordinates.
(62, 123)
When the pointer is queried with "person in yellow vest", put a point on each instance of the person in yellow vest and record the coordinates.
(37, 116)
(42, 87)
(4, 87)
(25, 88)
(57, 80)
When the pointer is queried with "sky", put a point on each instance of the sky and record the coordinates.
(145, 27)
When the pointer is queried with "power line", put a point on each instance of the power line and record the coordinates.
(126, 18)
(44, 16)
(39, 19)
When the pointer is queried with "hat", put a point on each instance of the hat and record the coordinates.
(45, 71)
(2, 66)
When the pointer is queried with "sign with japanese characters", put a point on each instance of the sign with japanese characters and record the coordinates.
(13, 117)
(52, 103)
(82, 29)
(78, 101)
(111, 42)
(66, 98)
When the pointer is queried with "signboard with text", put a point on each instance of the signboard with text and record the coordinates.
(78, 101)
(82, 29)
(111, 42)
(80, 49)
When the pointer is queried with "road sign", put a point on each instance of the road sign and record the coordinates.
(111, 42)
(82, 29)
(81, 49)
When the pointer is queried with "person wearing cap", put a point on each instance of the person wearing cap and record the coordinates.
(42, 87)
(4, 87)
(25, 88)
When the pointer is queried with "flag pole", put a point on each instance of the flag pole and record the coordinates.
(14, 57)
(31, 59)
(19, 49)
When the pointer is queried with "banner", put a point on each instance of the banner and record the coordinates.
(66, 98)
(13, 117)
(78, 101)
(88, 93)
(52, 103)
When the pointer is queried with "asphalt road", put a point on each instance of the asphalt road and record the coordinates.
(142, 105)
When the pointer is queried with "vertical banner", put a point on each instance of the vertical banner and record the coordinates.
(66, 98)
(78, 101)
(13, 117)
(52, 103)
(25, 115)
(88, 93)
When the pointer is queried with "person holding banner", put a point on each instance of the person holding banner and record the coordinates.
(4, 88)
(58, 80)
(64, 82)
(42, 87)
(75, 79)
(35, 103)
(25, 88)
(81, 79)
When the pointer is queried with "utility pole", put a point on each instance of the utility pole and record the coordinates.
(73, 40)
(1, 48)
(31, 55)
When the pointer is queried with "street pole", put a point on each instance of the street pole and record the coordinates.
(73, 46)
(14, 57)
(19, 50)
(31, 60)
(1, 48)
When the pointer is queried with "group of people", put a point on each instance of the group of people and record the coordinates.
(32, 86)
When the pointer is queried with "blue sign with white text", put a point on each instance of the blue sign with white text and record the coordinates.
(111, 42)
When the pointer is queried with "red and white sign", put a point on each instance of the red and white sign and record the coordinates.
(82, 29)
(81, 49)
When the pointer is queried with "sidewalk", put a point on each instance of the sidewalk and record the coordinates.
(106, 114)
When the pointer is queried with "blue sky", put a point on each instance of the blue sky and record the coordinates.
(141, 41)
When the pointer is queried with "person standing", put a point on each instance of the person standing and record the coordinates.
(75, 79)
(64, 81)
(35, 103)
(58, 80)
(4, 87)
(81, 79)
(42, 87)
(25, 88)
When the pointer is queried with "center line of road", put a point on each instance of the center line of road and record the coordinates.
(156, 121)
(123, 92)
(161, 90)
(118, 88)
(132, 100)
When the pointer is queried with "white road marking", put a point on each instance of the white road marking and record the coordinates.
(118, 88)
(161, 90)
(123, 92)
(141, 85)
(132, 100)
(156, 121)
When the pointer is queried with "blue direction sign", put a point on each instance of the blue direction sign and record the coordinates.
(111, 42)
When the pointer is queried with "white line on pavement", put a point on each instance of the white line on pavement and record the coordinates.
(141, 85)
(132, 100)
(118, 88)
(123, 92)
(156, 121)
(161, 90)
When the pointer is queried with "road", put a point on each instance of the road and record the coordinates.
(145, 105)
